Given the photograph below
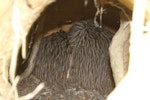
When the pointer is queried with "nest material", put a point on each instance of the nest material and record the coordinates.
(14, 14)
(7, 37)
(138, 71)
(120, 43)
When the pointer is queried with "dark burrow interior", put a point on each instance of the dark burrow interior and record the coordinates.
(65, 12)
(53, 19)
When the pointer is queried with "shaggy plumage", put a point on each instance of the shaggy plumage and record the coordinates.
(52, 58)
(78, 59)
(90, 64)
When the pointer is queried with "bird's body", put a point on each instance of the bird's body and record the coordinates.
(76, 59)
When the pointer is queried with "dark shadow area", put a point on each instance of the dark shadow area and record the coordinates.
(63, 12)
